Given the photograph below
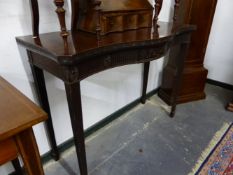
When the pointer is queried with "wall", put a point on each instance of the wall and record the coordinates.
(102, 94)
(219, 54)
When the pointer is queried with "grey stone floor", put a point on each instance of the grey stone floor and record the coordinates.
(145, 141)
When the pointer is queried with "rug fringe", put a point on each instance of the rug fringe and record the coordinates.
(217, 137)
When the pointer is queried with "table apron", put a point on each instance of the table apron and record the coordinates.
(95, 64)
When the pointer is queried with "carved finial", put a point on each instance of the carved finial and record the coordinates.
(157, 8)
(61, 16)
(176, 8)
(97, 4)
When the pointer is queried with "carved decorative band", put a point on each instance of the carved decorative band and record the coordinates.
(99, 64)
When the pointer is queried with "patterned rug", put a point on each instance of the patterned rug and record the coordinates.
(220, 159)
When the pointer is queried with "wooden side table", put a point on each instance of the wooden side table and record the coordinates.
(18, 115)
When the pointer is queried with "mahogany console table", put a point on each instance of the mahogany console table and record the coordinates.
(82, 54)
(18, 115)
(74, 55)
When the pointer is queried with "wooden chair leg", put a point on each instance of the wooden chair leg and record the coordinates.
(17, 167)
(28, 149)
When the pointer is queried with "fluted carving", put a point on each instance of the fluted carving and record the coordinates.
(157, 9)
(61, 16)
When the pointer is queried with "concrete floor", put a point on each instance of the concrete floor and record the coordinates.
(145, 141)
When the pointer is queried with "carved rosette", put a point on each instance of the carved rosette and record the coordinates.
(176, 8)
(157, 9)
(61, 16)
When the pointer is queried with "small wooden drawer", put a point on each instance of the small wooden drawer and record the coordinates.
(119, 22)
(131, 21)
(145, 20)
(112, 23)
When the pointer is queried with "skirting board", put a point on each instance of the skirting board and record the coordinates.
(220, 84)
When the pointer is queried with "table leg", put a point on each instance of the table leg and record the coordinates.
(179, 61)
(145, 81)
(75, 108)
(28, 149)
(40, 87)
(17, 167)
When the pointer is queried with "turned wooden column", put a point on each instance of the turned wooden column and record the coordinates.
(157, 9)
(61, 16)
(199, 13)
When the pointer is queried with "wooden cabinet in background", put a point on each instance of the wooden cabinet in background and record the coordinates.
(199, 13)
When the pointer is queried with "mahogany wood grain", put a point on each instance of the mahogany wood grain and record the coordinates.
(52, 45)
